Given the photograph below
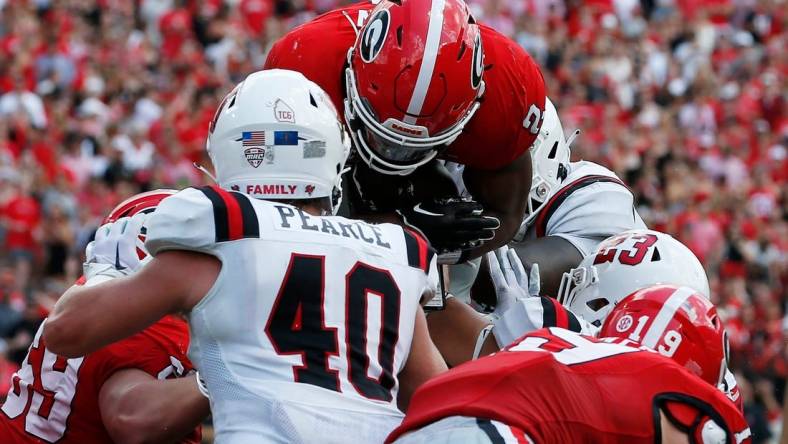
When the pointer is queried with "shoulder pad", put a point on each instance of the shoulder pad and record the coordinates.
(418, 251)
(197, 218)
(600, 210)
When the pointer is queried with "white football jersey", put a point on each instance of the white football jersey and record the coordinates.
(592, 205)
(302, 336)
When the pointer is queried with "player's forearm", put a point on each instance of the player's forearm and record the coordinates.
(85, 318)
(503, 195)
(510, 224)
(66, 333)
(455, 329)
(555, 255)
(156, 411)
(424, 362)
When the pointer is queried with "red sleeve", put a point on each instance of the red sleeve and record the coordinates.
(497, 135)
(159, 350)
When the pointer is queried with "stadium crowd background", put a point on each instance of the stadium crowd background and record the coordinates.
(684, 99)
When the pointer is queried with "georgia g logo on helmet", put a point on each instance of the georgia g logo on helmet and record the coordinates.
(374, 35)
(478, 63)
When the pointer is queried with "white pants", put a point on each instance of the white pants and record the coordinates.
(463, 429)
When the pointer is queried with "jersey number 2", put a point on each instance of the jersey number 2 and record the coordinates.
(297, 325)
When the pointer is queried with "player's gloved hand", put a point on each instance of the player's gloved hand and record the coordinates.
(518, 309)
(113, 253)
(510, 280)
(452, 225)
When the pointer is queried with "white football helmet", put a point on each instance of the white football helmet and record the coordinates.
(550, 162)
(278, 136)
(625, 263)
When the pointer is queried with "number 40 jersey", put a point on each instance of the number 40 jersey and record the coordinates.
(310, 320)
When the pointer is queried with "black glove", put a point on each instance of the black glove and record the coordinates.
(451, 225)
(369, 192)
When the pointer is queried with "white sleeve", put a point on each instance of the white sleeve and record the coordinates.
(184, 221)
(594, 213)
(418, 254)
(534, 313)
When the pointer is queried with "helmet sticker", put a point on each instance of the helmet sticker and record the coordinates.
(314, 149)
(624, 324)
(374, 35)
(477, 68)
(255, 156)
(283, 112)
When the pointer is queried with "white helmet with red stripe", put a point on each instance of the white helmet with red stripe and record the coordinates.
(414, 80)
(677, 322)
(625, 263)
(278, 136)
(550, 159)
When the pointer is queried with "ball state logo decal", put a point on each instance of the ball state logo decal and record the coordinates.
(309, 189)
(374, 35)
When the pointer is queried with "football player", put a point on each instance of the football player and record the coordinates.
(625, 263)
(571, 208)
(621, 265)
(131, 391)
(305, 327)
(420, 80)
(646, 397)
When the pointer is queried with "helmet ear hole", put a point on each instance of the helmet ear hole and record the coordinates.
(553, 151)
(399, 36)
(312, 100)
(656, 257)
(597, 304)
(562, 172)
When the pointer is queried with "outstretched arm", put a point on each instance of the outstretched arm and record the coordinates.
(455, 331)
(503, 194)
(137, 408)
(555, 255)
(87, 318)
(424, 362)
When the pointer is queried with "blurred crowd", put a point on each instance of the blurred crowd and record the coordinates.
(684, 99)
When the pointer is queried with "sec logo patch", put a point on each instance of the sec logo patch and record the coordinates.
(624, 324)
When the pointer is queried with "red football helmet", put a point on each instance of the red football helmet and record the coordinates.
(413, 82)
(676, 322)
(140, 203)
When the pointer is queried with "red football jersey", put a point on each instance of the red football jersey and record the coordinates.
(512, 107)
(558, 386)
(53, 399)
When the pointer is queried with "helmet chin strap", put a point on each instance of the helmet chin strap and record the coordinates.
(205, 171)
